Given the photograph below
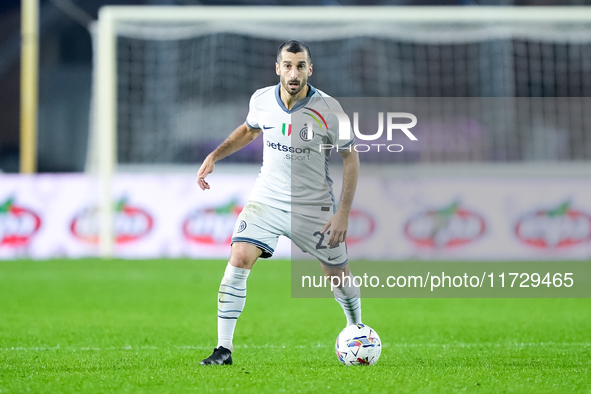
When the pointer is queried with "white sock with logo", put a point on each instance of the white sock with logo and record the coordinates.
(349, 298)
(231, 300)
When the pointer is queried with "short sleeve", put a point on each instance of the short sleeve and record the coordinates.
(252, 118)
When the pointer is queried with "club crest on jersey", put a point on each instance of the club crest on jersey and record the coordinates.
(306, 134)
(241, 226)
(286, 129)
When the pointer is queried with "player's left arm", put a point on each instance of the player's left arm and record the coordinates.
(339, 223)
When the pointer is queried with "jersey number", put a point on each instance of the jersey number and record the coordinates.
(321, 235)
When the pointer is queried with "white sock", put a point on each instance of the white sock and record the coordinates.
(231, 300)
(349, 298)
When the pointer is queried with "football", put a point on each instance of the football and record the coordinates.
(358, 344)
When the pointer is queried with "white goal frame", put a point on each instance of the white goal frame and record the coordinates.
(111, 17)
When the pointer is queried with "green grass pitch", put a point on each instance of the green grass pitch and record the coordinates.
(143, 326)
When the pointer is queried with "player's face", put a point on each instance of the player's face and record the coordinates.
(293, 70)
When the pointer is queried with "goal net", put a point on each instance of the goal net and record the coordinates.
(172, 82)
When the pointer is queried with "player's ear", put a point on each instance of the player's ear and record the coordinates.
(310, 70)
(277, 69)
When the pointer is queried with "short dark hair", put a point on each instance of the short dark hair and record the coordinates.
(294, 46)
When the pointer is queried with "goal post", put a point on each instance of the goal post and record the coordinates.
(167, 24)
(106, 124)
(29, 85)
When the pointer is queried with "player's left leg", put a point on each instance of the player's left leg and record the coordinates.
(306, 235)
(346, 294)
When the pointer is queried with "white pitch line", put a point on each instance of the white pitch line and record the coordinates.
(318, 345)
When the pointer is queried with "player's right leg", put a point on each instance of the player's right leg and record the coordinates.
(255, 235)
(231, 300)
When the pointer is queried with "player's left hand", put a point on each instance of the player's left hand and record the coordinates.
(338, 225)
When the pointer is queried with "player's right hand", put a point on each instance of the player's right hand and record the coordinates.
(205, 169)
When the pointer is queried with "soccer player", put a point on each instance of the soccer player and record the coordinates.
(293, 192)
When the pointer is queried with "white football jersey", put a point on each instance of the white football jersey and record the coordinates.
(297, 145)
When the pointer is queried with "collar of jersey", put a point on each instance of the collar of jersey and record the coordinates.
(297, 105)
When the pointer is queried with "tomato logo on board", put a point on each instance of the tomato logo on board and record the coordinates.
(18, 224)
(447, 227)
(559, 227)
(212, 225)
(131, 223)
(361, 226)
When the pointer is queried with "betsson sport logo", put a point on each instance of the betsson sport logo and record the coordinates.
(212, 225)
(18, 224)
(447, 227)
(559, 227)
(131, 223)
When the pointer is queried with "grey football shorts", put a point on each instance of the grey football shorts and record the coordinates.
(261, 225)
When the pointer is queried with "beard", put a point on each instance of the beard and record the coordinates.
(295, 88)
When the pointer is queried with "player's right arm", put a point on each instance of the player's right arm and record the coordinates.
(239, 138)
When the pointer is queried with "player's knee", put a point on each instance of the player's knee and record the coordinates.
(244, 255)
(240, 262)
(336, 271)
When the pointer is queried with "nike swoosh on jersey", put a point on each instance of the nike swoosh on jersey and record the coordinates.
(329, 259)
(268, 127)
